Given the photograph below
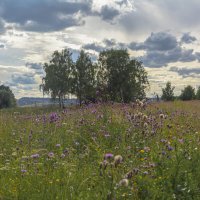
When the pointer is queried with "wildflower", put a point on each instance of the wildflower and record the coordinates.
(147, 149)
(145, 117)
(152, 165)
(58, 145)
(50, 154)
(145, 125)
(53, 117)
(141, 104)
(128, 147)
(62, 155)
(93, 111)
(181, 141)
(129, 175)
(23, 170)
(106, 135)
(66, 152)
(169, 148)
(104, 164)
(163, 141)
(118, 159)
(141, 151)
(108, 156)
(124, 182)
(145, 172)
(35, 155)
(162, 116)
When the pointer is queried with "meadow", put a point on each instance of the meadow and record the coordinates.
(104, 152)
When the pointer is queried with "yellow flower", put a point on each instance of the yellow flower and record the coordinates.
(142, 151)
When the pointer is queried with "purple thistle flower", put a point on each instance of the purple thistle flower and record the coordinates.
(65, 151)
(58, 145)
(53, 117)
(108, 156)
(169, 148)
(35, 155)
(181, 141)
(163, 140)
(23, 170)
(50, 154)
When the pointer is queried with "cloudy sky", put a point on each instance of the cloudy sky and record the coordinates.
(163, 34)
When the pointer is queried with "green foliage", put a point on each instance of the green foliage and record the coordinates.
(198, 93)
(7, 98)
(84, 82)
(168, 92)
(188, 93)
(116, 77)
(122, 78)
(58, 79)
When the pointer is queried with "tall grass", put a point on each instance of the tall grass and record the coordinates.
(107, 151)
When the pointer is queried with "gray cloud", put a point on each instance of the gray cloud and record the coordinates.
(42, 16)
(186, 72)
(23, 79)
(108, 13)
(2, 26)
(94, 46)
(110, 42)
(161, 49)
(2, 46)
(187, 38)
(37, 67)
(160, 59)
(160, 41)
(105, 44)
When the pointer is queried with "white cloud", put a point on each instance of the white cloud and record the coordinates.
(31, 37)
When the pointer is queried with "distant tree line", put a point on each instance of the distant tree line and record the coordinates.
(7, 98)
(113, 77)
(188, 93)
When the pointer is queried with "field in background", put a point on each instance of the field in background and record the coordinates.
(108, 151)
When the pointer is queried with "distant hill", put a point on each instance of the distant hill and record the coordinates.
(36, 101)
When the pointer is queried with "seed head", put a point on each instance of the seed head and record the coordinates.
(124, 182)
(118, 159)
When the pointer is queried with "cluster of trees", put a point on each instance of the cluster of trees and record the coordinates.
(7, 98)
(115, 76)
(188, 93)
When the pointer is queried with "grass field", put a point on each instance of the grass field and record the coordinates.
(102, 152)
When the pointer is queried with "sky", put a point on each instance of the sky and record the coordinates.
(163, 34)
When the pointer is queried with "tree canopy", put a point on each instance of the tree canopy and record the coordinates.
(123, 78)
(198, 93)
(115, 75)
(168, 92)
(188, 93)
(7, 98)
(58, 79)
(84, 74)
